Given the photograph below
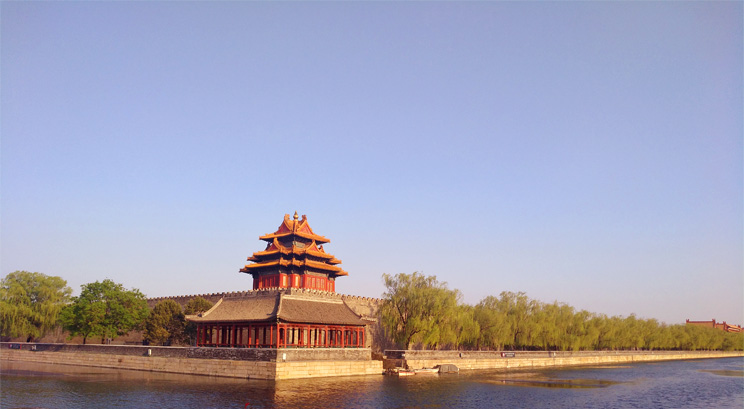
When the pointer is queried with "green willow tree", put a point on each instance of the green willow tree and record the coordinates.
(418, 309)
(30, 304)
(104, 309)
(520, 318)
(491, 323)
(166, 324)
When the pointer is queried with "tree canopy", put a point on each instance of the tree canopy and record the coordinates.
(419, 310)
(197, 305)
(30, 303)
(105, 309)
(166, 324)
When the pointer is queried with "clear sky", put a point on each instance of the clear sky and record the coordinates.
(584, 152)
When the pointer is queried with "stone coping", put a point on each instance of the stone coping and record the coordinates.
(205, 367)
(434, 354)
(269, 291)
(234, 354)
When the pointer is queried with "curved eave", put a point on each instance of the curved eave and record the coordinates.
(310, 249)
(311, 236)
(334, 270)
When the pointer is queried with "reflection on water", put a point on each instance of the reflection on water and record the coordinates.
(739, 373)
(557, 383)
(680, 384)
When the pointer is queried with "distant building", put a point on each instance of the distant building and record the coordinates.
(717, 325)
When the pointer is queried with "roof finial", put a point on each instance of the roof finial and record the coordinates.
(295, 215)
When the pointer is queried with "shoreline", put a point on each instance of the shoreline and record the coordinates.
(527, 360)
(143, 359)
(244, 363)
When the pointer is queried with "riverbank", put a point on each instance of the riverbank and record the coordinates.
(246, 363)
(285, 363)
(466, 360)
(700, 383)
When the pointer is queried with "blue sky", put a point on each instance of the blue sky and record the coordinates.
(585, 152)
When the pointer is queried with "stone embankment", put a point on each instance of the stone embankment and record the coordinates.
(287, 363)
(535, 360)
(253, 363)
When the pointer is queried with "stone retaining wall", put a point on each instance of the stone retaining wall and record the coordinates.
(534, 360)
(197, 366)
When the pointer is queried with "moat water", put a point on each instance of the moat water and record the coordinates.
(706, 383)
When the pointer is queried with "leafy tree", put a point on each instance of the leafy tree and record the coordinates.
(491, 322)
(519, 322)
(464, 326)
(30, 303)
(733, 341)
(197, 305)
(166, 324)
(416, 308)
(105, 309)
(419, 310)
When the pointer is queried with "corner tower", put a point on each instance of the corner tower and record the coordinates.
(294, 258)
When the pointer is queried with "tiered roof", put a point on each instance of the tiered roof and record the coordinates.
(294, 244)
(282, 307)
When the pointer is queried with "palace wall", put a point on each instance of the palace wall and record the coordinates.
(228, 362)
(243, 354)
(254, 363)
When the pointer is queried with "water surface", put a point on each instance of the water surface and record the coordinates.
(707, 383)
